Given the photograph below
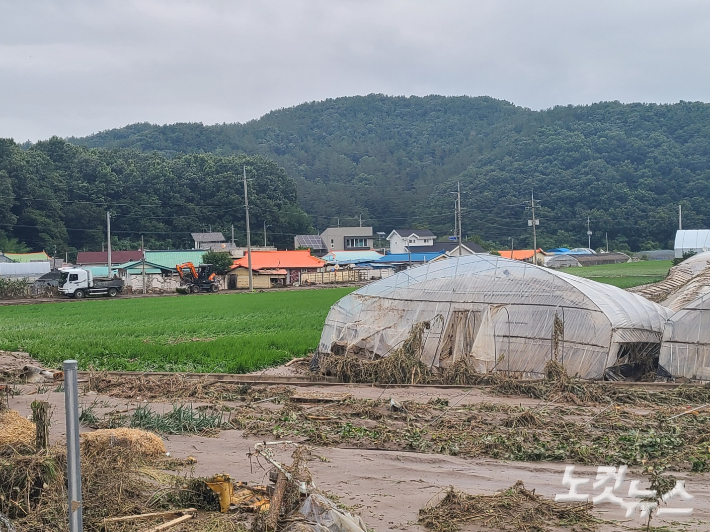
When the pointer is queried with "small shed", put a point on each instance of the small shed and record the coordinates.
(265, 278)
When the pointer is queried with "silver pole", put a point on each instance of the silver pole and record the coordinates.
(71, 404)
(246, 206)
(108, 235)
(458, 196)
(143, 261)
(532, 202)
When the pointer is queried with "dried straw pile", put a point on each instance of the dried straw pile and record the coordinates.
(401, 366)
(138, 441)
(514, 509)
(15, 429)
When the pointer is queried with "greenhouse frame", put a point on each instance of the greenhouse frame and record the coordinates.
(500, 315)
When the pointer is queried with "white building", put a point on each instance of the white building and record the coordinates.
(401, 239)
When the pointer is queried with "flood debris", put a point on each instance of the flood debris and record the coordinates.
(513, 509)
(402, 365)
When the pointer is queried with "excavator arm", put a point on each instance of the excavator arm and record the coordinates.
(187, 265)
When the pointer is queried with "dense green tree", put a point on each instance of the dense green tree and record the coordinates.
(221, 260)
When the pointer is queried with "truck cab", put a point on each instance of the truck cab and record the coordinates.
(79, 283)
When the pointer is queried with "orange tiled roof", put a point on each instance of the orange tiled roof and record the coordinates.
(519, 254)
(301, 258)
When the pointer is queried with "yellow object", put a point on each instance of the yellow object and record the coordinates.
(254, 499)
(222, 486)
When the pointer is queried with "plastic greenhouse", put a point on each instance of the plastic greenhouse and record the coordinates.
(502, 315)
(685, 351)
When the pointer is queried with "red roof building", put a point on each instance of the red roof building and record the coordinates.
(293, 262)
(99, 258)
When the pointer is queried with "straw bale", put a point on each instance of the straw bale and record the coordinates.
(140, 441)
(16, 429)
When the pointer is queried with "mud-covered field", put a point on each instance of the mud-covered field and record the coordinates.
(417, 458)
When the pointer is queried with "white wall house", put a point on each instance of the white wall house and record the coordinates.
(401, 239)
(348, 238)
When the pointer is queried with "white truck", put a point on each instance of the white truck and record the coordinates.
(80, 283)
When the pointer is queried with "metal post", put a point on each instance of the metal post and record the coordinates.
(680, 217)
(71, 403)
(108, 235)
(534, 222)
(246, 206)
(458, 196)
(143, 262)
(264, 233)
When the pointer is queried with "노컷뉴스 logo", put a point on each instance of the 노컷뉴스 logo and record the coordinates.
(609, 488)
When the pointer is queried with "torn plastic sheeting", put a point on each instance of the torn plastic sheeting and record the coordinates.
(497, 313)
(324, 516)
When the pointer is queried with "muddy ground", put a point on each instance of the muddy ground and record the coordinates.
(387, 452)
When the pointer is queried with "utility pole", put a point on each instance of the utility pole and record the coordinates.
(512, 246)
(264, 233)
(246, 207)
(680, 217)
(108, 239)
(606, 235)
(458, 200)
(360, 220)
(589, 235)
(143, 263)
(534, 222)
(232, 235)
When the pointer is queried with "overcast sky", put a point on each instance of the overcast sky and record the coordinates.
(77, 67)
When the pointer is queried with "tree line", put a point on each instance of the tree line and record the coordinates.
(394, 160)
(54, 196)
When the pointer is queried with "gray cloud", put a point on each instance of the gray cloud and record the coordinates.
(75, 67)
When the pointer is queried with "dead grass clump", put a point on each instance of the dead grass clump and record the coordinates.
(514, 509)
(172, 386)
(24, 477)
(524, 419)
(137, 441)
(34, 488)
(15, 429)
(401, 366)
(462, 373)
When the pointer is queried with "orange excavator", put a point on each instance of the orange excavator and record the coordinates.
(195, 279)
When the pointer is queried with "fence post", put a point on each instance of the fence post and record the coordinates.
(71, 403)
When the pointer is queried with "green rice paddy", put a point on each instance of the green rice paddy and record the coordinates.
(625, 275)
(226, 333)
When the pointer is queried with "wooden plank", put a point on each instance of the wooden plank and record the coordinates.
(171, 524)
(138, 517)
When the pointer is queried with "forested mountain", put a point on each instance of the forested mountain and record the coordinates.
(54, 196)
(394, 161)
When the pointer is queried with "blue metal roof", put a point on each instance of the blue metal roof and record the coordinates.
(409, 257)
(558, 250)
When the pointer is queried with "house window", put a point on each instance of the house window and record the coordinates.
(412, 241)
(356, 242)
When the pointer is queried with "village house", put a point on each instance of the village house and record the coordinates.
(348, 238)
(401, 239)
(273, 268)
